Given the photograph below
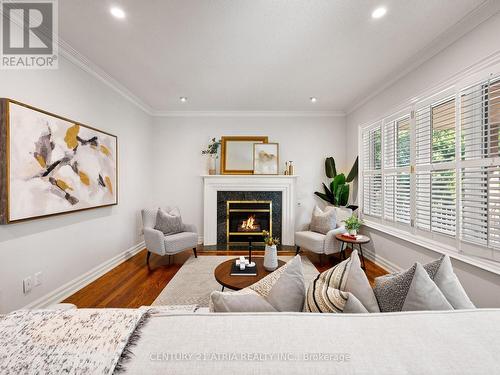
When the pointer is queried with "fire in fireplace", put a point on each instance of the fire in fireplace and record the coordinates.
(247, 219)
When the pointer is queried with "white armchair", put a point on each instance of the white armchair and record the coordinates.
(323, 244)
(158, 243)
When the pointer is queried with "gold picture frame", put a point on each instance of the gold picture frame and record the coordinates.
(51, 133)
(237, 153)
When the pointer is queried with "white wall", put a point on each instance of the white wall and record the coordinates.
(482, 42)
(178, 142)
(67, 246)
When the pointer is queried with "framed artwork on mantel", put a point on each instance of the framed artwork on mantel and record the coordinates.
(51, 165)
(266, 158)
(237, 153)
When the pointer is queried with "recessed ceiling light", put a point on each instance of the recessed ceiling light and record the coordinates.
(313, 99)
(117, 12)
(183, 99)
(379, 12)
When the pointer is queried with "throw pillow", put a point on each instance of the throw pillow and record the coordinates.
(323, 221)
(441, 272)
(411, 290)
(169, 222)
(323, 298)
(348, 277)
(282, 290)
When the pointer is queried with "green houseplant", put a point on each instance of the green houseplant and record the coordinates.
(352, 224)
(337, 194)
(211, 151)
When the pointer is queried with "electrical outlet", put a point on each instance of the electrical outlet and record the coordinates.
(38, 278)
(27, 284)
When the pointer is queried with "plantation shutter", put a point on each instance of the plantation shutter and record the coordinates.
(435, 163)
(480, 181)
(372, 175)
(396, 176)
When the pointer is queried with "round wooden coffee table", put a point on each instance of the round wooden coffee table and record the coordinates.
(359, 240)
(223, 274)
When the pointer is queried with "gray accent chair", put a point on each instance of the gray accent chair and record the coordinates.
(323, 244)
(158, 243)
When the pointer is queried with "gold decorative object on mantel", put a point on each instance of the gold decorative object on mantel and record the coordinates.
(237, 153)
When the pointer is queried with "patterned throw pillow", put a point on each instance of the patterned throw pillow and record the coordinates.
(323, 221)
(411, 290)
(441, 272)
(169, 222)
(342, 288)
(282, 290)
(323, 298)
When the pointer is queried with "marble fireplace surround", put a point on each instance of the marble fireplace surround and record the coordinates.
(247, 183)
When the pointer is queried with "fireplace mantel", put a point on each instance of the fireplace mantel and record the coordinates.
(214, 183)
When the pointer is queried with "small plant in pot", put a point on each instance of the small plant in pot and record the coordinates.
(211, 151)
(352, 224)
(271, 252)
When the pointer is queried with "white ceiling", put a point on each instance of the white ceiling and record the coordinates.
(258, 55)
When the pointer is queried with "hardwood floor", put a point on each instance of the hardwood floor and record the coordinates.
(133, 284)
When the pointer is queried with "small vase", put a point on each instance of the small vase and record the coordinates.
(212, 164)
(271, 258)
(353, 232)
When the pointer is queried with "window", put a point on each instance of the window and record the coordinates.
(434, 169)
(480, 172)
(372, 182)
(396, 174)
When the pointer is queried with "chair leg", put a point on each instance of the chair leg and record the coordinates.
(147, 257)
(194, 251)
(298, 250)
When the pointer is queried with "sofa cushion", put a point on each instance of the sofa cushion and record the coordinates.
(169, 222)
(411, 290)
(323, 221)
(180, 241)
(349, 277)
(312, 241)
(282, 290)
(441, 272)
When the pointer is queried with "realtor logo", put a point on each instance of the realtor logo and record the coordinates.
(29, 34)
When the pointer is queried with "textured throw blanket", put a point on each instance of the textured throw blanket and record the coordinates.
(80, 341)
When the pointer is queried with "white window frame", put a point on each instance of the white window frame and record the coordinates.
(451, 245)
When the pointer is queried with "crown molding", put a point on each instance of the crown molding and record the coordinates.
(84, 63)
(469, 73)
(248, 114)
(466, 24)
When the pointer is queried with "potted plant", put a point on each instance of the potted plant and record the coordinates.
(271, 252)
(352, 224)
(338, 192)
(211, 151)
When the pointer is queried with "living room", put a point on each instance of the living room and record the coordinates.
(160, 160)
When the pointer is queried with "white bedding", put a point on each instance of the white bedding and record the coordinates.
(447, 342)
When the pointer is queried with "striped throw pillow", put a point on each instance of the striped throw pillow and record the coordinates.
(327, 293)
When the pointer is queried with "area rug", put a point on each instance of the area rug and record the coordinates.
(194, 282)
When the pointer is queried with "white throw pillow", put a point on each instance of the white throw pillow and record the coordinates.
(282, 290)
(411, 290)
(323, 221)
(441, 272)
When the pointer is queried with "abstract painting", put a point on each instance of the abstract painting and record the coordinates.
(52, 165)
(265, 158)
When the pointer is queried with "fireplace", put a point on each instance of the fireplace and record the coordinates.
(247, 219)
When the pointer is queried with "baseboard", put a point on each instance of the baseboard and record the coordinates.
(381, 262)
(75, 285)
